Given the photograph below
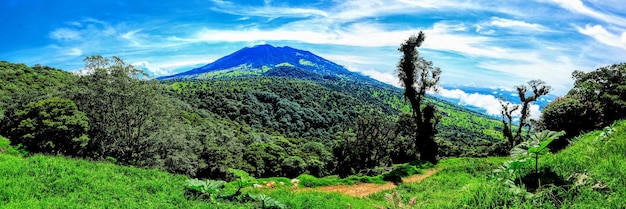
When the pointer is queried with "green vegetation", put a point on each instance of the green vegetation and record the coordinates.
(597, 100)
(115, 138)
(306, 62)
(58, 182)
(53, 126)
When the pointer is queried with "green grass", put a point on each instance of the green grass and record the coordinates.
(57, 182)
(594, 165)
(457, 179)
(322, 200)
(597, 162)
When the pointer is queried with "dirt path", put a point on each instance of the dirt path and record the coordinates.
(362, 190)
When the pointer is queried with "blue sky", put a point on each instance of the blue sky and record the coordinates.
(483, 43)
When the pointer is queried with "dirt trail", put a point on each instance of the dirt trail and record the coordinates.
(362, 190)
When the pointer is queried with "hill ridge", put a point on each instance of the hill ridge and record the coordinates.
(260, 58)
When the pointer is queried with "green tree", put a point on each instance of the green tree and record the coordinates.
(53, 126)
(124, 107)
(20, 85)
(293, 166)
(597, 100)
(606, 88)
(417, 75)
(570, 115)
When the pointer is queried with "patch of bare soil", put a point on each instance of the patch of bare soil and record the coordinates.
(365, 189)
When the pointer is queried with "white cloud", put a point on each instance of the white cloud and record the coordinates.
(75, 52)
(145, 65)
(602, 35)
(514, 24)
(65, 34)
(388, 78)
(489, 103)
(578, 6)
(267, 11)
(132, 36)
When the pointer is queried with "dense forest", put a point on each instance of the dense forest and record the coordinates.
(272, 125)
(279, 124)
(286, 122)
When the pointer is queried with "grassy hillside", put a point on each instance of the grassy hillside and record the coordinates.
(593, 170)
(41, 181)
(57, 182)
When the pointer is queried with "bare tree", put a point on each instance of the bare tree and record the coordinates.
(539, 88)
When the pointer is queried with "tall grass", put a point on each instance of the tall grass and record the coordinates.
(457, 179)
(57, 182)
(594, 166)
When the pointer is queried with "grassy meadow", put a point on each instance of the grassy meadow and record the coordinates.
(592, 168)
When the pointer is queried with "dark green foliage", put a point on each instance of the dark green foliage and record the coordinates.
(397, 173)
(20, 85)
(267, 202)
(123, 109)
(417, 75)
(371, 146)
(5, 147)
(605, 88)
(566, 114)
(597, 100)
(208, 188)
(293, 72)
(293, 108)
(536, 146)
(53, 125)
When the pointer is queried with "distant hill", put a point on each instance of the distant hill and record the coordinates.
(262, 59)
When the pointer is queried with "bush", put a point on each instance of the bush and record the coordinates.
(5, 147)
(402, 171)
(307, 180)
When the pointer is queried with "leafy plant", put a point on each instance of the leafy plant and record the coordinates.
(206, 187)
(521, 156)
(5, 147)
(535, 147)
(267, 201)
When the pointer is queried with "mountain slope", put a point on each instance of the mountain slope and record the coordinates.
(317, 110)
(299, 94)
(254, 61)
